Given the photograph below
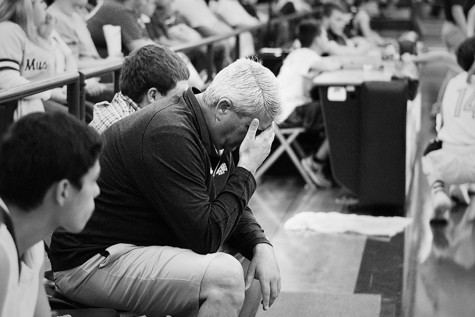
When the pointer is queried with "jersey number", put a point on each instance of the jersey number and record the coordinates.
(468, 105)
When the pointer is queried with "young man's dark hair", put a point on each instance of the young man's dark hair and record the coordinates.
(329, 7)
(308, 30)
(41, 149)
(465, 53)
(151, 66)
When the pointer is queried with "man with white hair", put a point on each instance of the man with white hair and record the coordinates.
(173, 206)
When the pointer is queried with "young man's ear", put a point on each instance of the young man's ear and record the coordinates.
(153, 95)
(62, 191)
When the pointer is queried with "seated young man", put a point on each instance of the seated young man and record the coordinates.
(200, 17)
(360, 24)
(149, 74)
(451, 159)
(295, 79)
(334, 20)
(169, 28)
(48, 180)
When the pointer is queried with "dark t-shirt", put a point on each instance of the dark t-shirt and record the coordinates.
(448, 4)
(340, 40)
(114, 13)
(162, 183)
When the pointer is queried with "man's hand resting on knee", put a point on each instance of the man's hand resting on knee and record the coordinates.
(264, 268)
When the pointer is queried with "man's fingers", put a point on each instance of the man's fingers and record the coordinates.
(268, 133)
(251, 132)
(251, 270)
(274, 292)
(265, 290)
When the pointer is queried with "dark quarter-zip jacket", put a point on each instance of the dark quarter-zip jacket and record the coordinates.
(163, 183)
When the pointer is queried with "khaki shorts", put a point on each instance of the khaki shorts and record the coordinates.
(154, 280)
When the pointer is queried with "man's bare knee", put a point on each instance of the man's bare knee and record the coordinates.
(223, 282)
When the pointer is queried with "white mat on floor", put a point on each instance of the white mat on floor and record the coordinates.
(335, 222)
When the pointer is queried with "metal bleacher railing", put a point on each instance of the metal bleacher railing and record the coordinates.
(76, 81)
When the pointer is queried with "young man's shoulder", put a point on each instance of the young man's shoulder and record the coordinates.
(10, 30)
(459, 81)
(303, 56)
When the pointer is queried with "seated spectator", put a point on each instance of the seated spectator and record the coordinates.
(25, 54)
(455, 30)
(123, 13)
(295, 79)
(360, 24)
(234, 15)
(149, 74)
(73, 29)
(40, 192)
(33, 57)
(64, 62)
(292, 6)
(451, 159)
(200, 17)
(127, 14)
(172, 201)
(71, 26)
(168, 28)
(334, 20)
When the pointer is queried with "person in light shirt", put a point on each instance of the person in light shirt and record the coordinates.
(450, 160)
(48, 180)
(295, 79)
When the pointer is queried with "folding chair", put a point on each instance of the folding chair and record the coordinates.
(288, 143)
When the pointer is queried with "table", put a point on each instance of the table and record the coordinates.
(351, 77)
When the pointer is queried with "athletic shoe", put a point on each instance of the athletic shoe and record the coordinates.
(460, 193)
(315, 171)
(442, 204)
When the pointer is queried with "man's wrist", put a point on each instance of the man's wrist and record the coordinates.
(262, 247)
(248, 167)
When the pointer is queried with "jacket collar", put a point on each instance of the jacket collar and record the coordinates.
(202, 127)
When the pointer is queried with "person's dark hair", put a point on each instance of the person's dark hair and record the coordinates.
(465, 53)
(41, 149)
(329, 7)
(151, 66)
(308, 30)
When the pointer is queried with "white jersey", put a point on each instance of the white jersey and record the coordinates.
(22, 290)
(295, 81)
(458, 112)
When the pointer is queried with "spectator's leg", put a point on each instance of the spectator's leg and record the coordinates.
(222, 288)
(253, 295)
(440, 200)
(252, 300)
(156, 281)
(314, 165)
(222, 49)
(323, 152)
